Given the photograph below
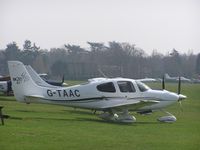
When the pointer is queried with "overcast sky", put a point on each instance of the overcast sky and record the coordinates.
(149, 24)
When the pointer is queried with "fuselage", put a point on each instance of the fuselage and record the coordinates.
(101, 92)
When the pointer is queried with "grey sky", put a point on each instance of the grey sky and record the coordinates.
(150, 24)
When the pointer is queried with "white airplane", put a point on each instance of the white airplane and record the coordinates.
(115, 97)
(176, 79)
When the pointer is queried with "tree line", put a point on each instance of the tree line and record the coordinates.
(114, 60)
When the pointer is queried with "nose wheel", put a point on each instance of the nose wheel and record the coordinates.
(167, 119)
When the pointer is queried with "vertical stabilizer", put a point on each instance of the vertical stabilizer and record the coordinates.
(22, 83)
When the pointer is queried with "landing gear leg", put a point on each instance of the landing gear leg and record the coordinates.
(109, 116)
(123, 116)
(126, 117)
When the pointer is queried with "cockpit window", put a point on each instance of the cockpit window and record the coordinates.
(107, 87)
(126, 86)
(142, 87)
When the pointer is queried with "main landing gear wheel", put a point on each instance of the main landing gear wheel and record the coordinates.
(123, 117)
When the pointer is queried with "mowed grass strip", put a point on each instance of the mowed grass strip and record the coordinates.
(40, 126)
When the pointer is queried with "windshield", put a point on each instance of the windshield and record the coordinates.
(142, 87)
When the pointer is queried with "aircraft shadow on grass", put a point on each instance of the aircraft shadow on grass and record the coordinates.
(78, 119)
(118, 123)
(83, 120)
(75, 111)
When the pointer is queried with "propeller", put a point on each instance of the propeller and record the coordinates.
(63, 79)
(179, 92)
(163, 83)
(179, 85)
(181, 97)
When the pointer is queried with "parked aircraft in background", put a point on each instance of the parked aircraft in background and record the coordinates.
(115, 97)
(44, 76)
(4, 78)
(145, 80)
(176, 79)
(195, 81)
(6, 85)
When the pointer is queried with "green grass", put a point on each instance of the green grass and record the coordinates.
(40, 126)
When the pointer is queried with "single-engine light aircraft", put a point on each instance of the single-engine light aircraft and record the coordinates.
(115, 97)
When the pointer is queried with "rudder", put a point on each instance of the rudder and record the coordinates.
(22, 83)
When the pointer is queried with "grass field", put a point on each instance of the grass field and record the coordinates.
(39, 126)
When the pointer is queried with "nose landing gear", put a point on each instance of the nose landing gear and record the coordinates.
(169, 118)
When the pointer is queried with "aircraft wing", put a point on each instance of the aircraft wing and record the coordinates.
(130, 104)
